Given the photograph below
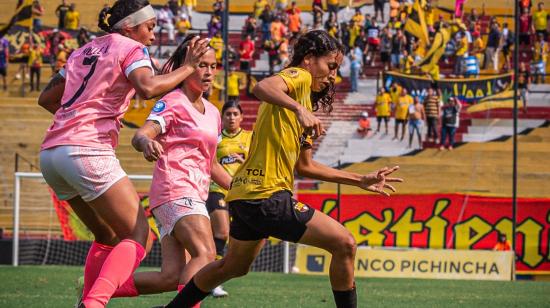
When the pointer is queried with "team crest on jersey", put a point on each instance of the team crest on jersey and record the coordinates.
(159, 106)
(300, 207)
(292, 73)
(146, 52)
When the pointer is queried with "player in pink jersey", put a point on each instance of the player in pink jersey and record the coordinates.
(77, 159)
(181, 135)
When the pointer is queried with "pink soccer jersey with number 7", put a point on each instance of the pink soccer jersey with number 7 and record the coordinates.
(97, 92)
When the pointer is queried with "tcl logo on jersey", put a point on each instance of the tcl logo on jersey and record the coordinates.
(227, 160)
(255, 172)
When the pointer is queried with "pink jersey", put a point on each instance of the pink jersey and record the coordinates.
(97, 92)
(189, 139)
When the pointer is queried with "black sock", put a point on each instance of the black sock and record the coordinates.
(220, 247)
(345, 299)
(189, 296)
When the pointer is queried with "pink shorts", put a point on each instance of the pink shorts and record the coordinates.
(168, 214)
(80, 171)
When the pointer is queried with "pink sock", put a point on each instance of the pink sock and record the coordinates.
(180, 287)
(128, 289)
(94, 261)
(117, 268)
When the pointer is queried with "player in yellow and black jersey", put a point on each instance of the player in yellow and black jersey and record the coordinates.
(231, 153)
(260, 198)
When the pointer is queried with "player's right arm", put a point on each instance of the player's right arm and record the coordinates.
(147, 85)
(274, 90)
(144, 140)
(50, 98)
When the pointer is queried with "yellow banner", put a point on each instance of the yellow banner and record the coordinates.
(414, 263)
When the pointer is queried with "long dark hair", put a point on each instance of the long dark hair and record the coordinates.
(109, 16)
(178, 58)
(317, 43)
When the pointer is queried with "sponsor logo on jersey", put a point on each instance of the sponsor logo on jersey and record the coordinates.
(227, 160)
(159, 106)
(255, 172)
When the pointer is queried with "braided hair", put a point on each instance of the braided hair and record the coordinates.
(109, 16)
(317, 43)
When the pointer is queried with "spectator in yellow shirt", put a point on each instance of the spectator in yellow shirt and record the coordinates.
(183, 25)
(382, 107)
(35, 64)
(217, 44)
(259, 7)
(354, 32)
(234, 85)
(188, 6)
(478, 47)
(333, 6)
(540, 55)
(358, 18)
(402, 112)
(540, 21)
(72, 18)
(461, 51)
(407, 61)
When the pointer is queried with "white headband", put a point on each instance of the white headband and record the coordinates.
(136, 18)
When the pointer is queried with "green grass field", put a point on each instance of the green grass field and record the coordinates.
(54, 286)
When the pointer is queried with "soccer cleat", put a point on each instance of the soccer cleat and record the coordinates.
(219, 292)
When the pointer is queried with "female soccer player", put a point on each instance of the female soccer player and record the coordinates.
(77, 156)
(231, 153)
(260, 198)
(181, 135)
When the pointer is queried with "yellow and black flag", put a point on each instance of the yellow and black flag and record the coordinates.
(436, 50)
(416, 21)
(22, 17)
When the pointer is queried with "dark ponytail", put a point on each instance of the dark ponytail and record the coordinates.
(109, 16)
(317, 43)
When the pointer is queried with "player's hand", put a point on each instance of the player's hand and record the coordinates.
(377, 181)
(311, 124)
(152, 150)
(196, 48)
(237, 157)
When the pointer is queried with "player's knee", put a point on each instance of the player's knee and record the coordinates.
(170, 281)
(207, 253)
(234, 270)
(240, 271)
(222, 234)
(347, 246)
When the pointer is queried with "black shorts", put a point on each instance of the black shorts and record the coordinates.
(378, 6)
(244, 66)
(398, 121)
(216, 201)
(279, 216)
(3, 71)
(380, 118)
(525, 38)
(385, 56)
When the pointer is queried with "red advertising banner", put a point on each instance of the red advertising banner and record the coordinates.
(451, 221)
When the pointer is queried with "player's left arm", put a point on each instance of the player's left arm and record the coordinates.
(376, 181)
(50, 98)
(219, 175)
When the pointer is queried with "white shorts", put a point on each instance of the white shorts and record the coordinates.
(80, 171)
(168, 214)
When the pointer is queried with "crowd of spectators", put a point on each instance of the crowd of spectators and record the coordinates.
(411, 113)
